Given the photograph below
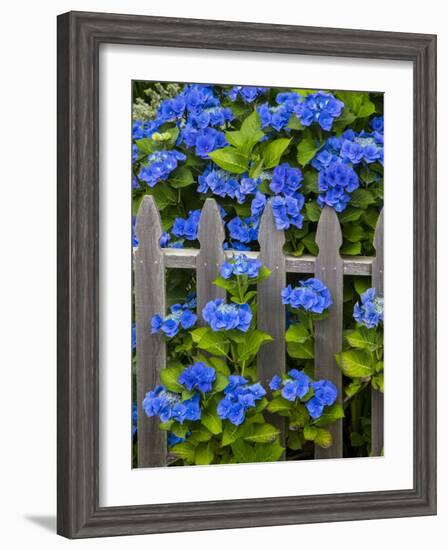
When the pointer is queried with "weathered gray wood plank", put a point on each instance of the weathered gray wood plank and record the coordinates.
(211, 255)
(271, 358)
(328, 333)
(151, 354)
(378, 284)
(186, 258)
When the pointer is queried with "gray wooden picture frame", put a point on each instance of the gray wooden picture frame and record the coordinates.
(79, 38)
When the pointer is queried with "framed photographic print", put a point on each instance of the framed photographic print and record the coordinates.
(246, 274)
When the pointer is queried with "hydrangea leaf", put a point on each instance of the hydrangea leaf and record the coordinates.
(262, 433)
(353, 232)
(219, 365)
(378, 382)
(230, 159)
(185, 450)
(200, 435)
(330, 414)
(179, 430)
(212, 422)
(270, 452)
(249, 348)
(361, 198)
(350, 214)
(164, 196)
(303, 350)
(280, 405)
(355, 364)
(214, 342)
(313, 211)
(221, 382)
(203, 455)
(146, 145)
(351, 249)
(323, 438)
(297, 333)
(182, 177)
(310, 243)
(169, 377)
(243, 451)
(294, 441)
(310, 184)
(306, 149)
(361, 339)
(274, 151)
(361, 284)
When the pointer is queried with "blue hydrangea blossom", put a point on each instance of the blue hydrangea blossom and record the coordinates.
(198, 377)
(240, 264)
(160, 165)
(239, 397)
(321, 108)
(312, 295)
(169, 406)
(370, 312)
(180, 316)
(222, 316)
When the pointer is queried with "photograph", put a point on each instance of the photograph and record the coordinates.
(257, 252)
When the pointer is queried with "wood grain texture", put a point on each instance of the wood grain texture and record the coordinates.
(271, 358)
(79, 38)
(377, 283)
(149, 272)
(328, 332)
(211, 255)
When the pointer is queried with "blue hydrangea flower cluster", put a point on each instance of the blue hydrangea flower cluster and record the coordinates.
(180, 316)
(321, 108)
(224, 184)
(335, 183)
(247, 93)
(298, 384)
(286, 211)
(222, 316)
(238, 398)
(169, 406)
(188, 227)
(160, 165)
(144, 128)
(243, 230)
(198, 377)
(278, 116)
(312, 295)
(166, 242)
(134, 418)
(240, 264)
(370, 312)
(204, 140)
(286, 180)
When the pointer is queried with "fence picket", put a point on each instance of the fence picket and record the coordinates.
(377, 283)
(211, 255)
(329, 268)
(270, 310)
(151, 354)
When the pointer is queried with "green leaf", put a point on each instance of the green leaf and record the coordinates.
(313, 211)
(262, 274)
(219, 364)
(310, 179)
(164, 196)
(378, 382)
(220, 383)
(309, 432)
(200, 435)
(279, 405)
(268, 453)
(353, 388)
(146, 145)
(230, 159)
(214, 342)
(310, 243)
(304, 350)
(182, 177)
(252, 344)
(294, 123)
(353, 232)
(330, 414)
(323, 438)
(350, 214)
(180, 430)
(262, 433)
(361, 339)
(203, 455)
(361, 284)
(274, 151)
(361, 198)
(185, 450)
(211, 421)
(294, 440)
(169, 378)
(306, 150)
(355, 364)
(351, 249)
(356, 439)
(297, 333)
(243, 451)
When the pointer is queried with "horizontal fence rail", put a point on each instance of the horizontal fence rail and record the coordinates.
(150, 262)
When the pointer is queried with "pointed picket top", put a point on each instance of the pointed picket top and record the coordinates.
(211, 255)
(329, 268)
(378, 262)
(328, 233)
(148, 222)
(271, 359)
(149, 277)
(267, 229)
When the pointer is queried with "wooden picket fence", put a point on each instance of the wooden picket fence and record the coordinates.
(150, 262)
